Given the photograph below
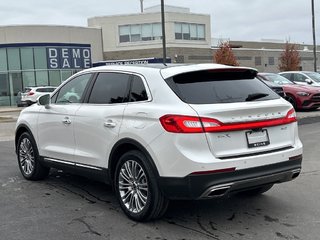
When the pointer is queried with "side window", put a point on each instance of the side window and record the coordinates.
(138, 91)
(299, 78)
(110, 88)
(73, 91)
(41, 90)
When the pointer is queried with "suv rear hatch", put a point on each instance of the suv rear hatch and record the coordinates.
(239, 114)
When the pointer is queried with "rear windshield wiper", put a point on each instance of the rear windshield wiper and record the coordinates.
(255, 96)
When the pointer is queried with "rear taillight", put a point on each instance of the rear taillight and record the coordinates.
(30, 93)
(181, 124)
(190, 124)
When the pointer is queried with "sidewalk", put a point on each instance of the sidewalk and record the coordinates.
(9, 114)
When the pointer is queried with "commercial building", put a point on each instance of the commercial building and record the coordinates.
(264, 55)
(188, 35)
(47, 55)
(43, 55)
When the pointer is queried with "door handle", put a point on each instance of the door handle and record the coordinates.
(110, 124)
(66, 120)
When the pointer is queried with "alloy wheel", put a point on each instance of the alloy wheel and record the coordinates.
(26, 156)
(133, 186)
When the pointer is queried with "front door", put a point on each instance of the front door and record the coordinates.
(56, 122)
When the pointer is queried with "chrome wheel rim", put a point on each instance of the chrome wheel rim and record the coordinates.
(133, 186)
(26, 156)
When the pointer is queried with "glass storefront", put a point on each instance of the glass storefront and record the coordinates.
(31, 65)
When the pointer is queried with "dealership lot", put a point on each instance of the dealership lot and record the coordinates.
(71, 207)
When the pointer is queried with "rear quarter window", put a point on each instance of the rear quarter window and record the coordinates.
(206, 87)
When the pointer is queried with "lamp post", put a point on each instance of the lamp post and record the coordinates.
(141, 5)
(164, 49)
(314, 36)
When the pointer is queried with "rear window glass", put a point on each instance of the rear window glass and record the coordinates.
(45, 90)
(207, 87)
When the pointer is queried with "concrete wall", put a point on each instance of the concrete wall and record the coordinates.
(110, 30)
(54, 34)
(247, 57)
(178, 55)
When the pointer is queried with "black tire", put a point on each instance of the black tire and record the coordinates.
(293, 102)
(138, 190)
(29, 160)
(257, 191)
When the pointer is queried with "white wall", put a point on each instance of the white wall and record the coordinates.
(110, 30)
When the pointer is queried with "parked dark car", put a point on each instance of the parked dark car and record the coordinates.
(275, 87)
(301, 97)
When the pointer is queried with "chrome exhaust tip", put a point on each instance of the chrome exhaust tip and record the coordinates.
(295, 173)
(216, 191)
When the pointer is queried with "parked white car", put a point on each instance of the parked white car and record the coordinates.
(303, 77)
(158, 133)
(31, 94)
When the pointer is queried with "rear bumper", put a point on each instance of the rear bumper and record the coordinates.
(219, 184)
(310, 104)
(27, 102)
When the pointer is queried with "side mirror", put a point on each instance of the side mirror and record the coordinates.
(308, 81)
(44, 100)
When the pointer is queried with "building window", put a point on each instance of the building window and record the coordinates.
(3, 60)
(257, 61)
(146, 32)
(189, 31)
(4, 90)
(42, 78)
(14, 59)
(28, 66)
(40, 58)
(26, 56)
(28, 79)
(271, 61)
(140, 32)
(54, 78)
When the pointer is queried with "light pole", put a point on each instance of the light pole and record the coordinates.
(314, 36)
(164, 49)
(141, 5)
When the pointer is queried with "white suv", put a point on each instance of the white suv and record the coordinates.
(31, 94)
(303, 77)
(163, 132)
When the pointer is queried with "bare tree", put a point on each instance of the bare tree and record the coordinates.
(289, 58)
(225, 55)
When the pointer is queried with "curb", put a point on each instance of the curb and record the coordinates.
(308, 120)
(7, 119)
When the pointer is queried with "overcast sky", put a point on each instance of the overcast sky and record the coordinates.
(248, 20)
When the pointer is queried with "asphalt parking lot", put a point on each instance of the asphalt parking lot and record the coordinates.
(65, 206)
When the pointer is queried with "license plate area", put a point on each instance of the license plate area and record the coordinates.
(257, 138)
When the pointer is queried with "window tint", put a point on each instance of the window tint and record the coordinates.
(314, 76)
(110, 88)
(208, 88)
(287, 76)
(138, 91)
(72, 92)
(299, 77)
(45, 90)
(41, 90)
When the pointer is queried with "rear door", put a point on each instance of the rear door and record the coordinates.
(232, 100)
